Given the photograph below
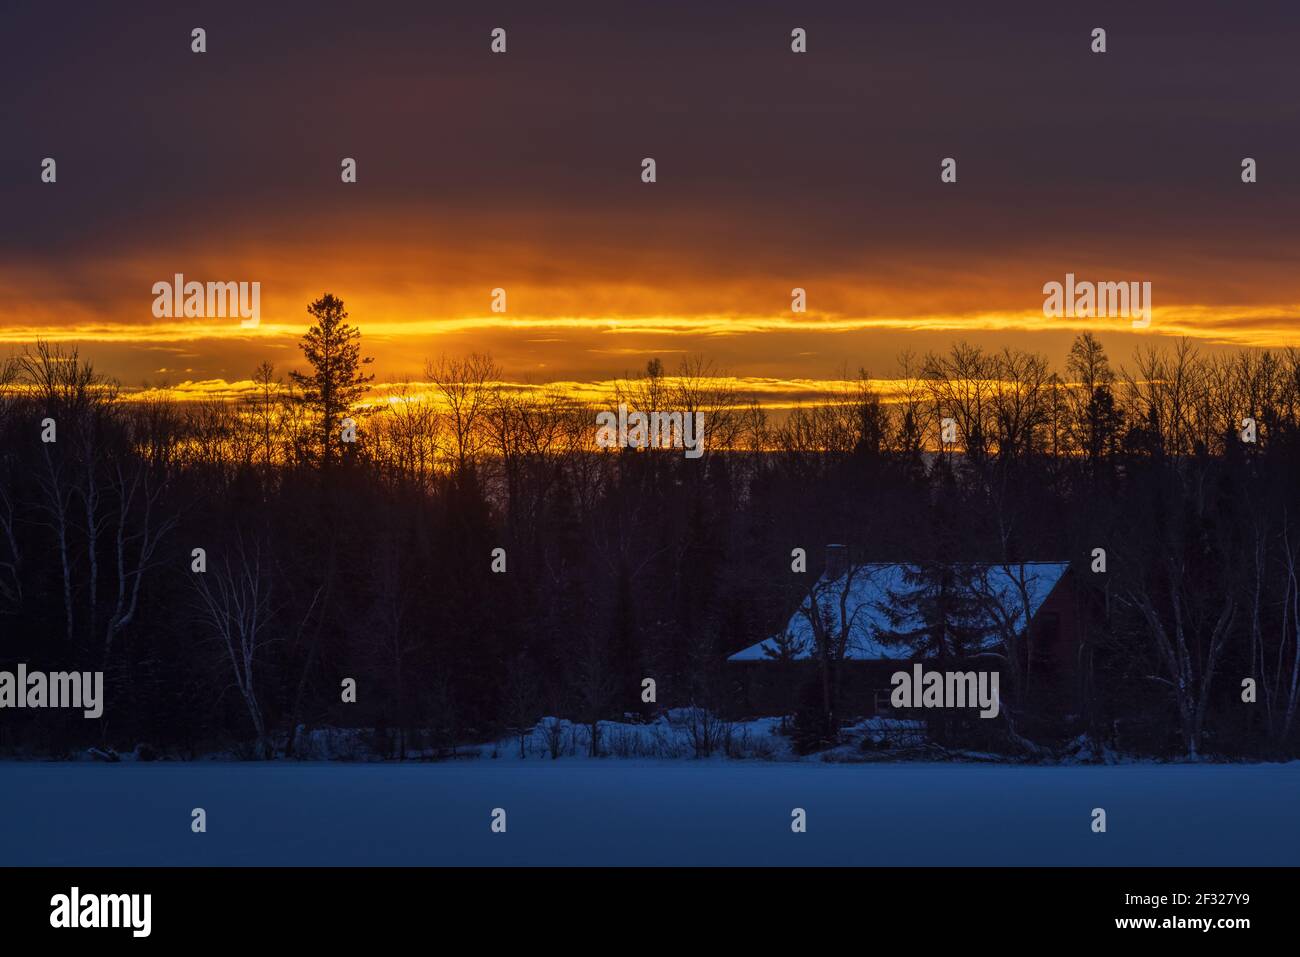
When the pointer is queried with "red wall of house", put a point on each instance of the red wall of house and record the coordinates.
(1051, 662)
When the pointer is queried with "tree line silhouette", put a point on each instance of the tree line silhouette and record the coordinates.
(328, 559)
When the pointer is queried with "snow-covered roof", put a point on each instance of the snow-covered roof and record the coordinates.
(870, 589)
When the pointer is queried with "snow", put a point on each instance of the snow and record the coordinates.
(870, 589)
(695, 733)
(636, 812)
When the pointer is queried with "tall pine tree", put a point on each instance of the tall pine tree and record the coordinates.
(335, 383)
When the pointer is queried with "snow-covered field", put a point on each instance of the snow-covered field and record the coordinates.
(681, 733)
(646, 813)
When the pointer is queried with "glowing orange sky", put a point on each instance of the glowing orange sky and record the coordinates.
(585, 320)
(575, 331)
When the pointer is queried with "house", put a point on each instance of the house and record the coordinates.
(1035, 601)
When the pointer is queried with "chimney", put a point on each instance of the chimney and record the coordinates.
(837, 562)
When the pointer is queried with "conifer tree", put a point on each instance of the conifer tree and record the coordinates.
(935, 615)
(335, 384)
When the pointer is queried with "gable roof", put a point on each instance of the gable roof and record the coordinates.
(871, 586)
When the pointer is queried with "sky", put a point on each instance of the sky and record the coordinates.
(522, 171)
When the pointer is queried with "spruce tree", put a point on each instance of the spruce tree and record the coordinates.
(333, 347)
(935, 615)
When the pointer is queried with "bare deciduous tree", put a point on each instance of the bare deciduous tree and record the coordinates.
(235, 605)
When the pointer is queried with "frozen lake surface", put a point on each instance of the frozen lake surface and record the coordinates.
(639, 813)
